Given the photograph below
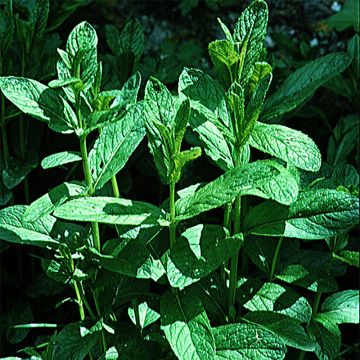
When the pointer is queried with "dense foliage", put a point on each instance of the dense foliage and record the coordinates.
(247, 261)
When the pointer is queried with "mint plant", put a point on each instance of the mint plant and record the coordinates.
(166, 281)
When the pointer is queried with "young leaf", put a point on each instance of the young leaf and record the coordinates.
(225, 188)
(13, 228)
(249, 35)
(198, 251)
(114, 146)
(40, 102)
(287, 144)
(317, 214)
(300, 86)
(225, 59)
(350, 257)
(60, 158)
(187, 327)
(181, 122)
(340, 308)
(288, 329)
(147, 316)
(83, 41)
(110, 210)
(54, 198)
(247, 341)
(200, 88)
(216, 145)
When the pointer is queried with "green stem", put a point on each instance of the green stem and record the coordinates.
(115, 187)
(275, 258)
(315, 308)
(172, 215)
(103, 338)
(234, 262)
(227, 225)
(137, 314)
(79, 301)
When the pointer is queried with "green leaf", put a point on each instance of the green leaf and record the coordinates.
(181, 122)
(215, 143)
(110, 354)
(279, 299)
(247, 341)
(187, 327)
(69, 343)
(343, 140)
(200, 88)
(225, 60)
(249, 35)
(130, 40)
(18, 170)
(327, 340)
(288, 329)
(225, 188)
(350, 257)
(197, 252)
(316, 214)
(82, 42)
(133, 260)
(50, 201)
(40, 102)
(283, 188)
(114, 146)
(341, 308)
(60, 158)
(287, 144)
(309, 277)
(64, 82)
(16, 230)
(162, 105)
(109, 210)
(346, 17)
(300, 86)
(147, 316)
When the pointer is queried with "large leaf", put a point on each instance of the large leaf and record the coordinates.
(287, 144)
(110, 210)
(134, 260)
(114, 146)
(317, 214)
(327, 338)
(250, 32)
(276, 298)
(341, 307)
(197, 252)
(225, 188)
(288, 329)
(16, 230)
(247, 341)
(39, 101)
(301, 85)
(187, 327)
(69, 343)
(48, 202)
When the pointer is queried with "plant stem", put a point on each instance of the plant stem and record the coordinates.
(315, 308)
(172, 215)
(234, 262)
(79, 301)
(227, 225)
(275, 258)
(103, 338)
(115, 187)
